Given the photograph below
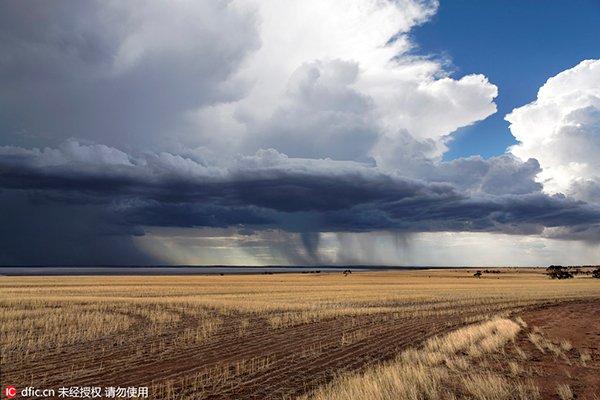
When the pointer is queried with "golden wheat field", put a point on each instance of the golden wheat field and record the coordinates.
(432, 334)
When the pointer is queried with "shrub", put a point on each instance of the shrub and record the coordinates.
(558, 272)
(596, 273)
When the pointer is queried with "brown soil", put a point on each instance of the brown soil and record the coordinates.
(300, 358)
(578, 323)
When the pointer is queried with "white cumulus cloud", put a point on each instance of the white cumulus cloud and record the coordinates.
(336, 79)
(561, 129)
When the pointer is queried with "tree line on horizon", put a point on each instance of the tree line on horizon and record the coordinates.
(560, 272)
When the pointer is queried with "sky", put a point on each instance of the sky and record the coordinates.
(518, 45)
(315, 132)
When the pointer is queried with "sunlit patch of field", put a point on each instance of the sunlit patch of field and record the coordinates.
(234, 335)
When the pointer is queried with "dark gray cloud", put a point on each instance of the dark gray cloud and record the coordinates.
(271, 191)
(123, 71)
(36, 232)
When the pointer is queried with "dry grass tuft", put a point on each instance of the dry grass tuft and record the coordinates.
(566, 345)
(585, 357)
(565, 392)
(515, 369)
(543, 344)
(494, 387)
(476, 340)
(521, 354)
(520, 321)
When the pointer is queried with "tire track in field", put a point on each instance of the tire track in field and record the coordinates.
(105, 350)
(131, 364)
(288, 380)
(272, 344)
(355, 360)
(124, 360)
(79, 354)
(281, 344)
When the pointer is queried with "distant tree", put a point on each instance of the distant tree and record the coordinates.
(596, 273)
(558, 272)
(477, 274)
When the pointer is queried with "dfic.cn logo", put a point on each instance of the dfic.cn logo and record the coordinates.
(10, 391)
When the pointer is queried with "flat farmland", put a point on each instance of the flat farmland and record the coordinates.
(253, 336)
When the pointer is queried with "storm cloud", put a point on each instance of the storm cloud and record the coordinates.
(272, 191)
(285, 124)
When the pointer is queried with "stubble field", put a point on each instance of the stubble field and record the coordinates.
(313, 335)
